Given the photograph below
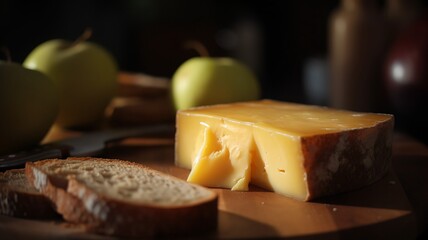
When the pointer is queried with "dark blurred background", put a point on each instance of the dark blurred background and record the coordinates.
(284, 42)
(273, 37)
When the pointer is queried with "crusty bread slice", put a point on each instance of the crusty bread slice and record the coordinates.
(19, 199)
(124, 198)
(54, 187)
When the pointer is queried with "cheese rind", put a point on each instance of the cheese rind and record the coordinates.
(300, 151)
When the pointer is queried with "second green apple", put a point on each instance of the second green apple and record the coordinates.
(204, 81)
(86, 76)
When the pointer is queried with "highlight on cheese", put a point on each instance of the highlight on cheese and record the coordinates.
(297, 150)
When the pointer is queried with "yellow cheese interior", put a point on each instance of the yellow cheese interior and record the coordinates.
(223, 158)
(232, 145)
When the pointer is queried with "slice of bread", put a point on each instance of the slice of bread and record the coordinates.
(54, 186)
(19, 199)
(122, 198)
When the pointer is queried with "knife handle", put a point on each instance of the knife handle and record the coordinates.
(19, 159)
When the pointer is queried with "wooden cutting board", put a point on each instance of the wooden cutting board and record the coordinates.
(380, 211)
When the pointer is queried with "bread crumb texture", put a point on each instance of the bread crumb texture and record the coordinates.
(126, 181)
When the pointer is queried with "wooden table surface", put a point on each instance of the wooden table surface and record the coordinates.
(396, 207)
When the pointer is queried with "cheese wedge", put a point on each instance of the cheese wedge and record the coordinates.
(300, 151)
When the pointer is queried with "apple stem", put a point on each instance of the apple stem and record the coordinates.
(85, 36)
(6, 52)
(198, 47)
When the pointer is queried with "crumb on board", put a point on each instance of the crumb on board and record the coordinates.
(69, 224)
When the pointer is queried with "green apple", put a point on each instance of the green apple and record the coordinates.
(86, 75)
(205, 81)
(28, 106)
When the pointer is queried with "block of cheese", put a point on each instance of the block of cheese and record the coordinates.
(297, 150)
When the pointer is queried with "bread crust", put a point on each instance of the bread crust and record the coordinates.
(25, 204)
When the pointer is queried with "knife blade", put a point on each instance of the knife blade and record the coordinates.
(87, 145)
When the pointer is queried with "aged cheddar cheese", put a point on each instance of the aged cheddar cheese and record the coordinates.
(296, 150)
